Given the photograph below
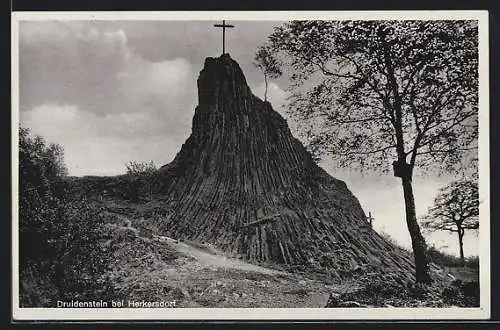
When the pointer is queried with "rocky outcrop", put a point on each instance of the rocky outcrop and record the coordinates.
(242, 182)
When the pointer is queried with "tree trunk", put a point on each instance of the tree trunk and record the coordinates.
(461, 244)
(265, 91)
(417, 240)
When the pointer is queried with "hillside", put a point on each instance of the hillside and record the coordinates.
(243, 217)
(152, 267)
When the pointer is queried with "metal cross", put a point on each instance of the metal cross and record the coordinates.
(224, 26)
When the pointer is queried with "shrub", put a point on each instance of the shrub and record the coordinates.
(60, 256)
(472, 262)
(417, 290)
(140, 168)
(139, 181)
(462, 293)
(448, 260)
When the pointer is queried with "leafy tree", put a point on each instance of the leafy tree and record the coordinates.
(38, 169)
(268, 65)
(455, 209)
(372, 91)
(60, 257)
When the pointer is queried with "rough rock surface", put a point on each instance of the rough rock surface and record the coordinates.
(243, 183)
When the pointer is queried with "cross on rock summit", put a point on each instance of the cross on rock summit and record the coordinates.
(224, 26)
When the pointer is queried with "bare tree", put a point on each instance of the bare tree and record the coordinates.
(455, 209)
(375, 91)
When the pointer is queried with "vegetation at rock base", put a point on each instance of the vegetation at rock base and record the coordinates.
(448, 260)
(383, 291)
(456, 283)
(60, 255)
(137, 185)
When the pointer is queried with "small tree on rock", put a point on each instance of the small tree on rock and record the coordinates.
(268, 64)
(455, 209)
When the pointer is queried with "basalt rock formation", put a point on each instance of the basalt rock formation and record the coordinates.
(243, 183)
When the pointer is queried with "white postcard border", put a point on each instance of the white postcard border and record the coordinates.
(107, 314)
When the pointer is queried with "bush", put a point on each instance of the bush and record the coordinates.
(60, 256)
(382, 289)
(448, 260)
(462, 294)
(141, 168)
(139, 180)
(472, 262)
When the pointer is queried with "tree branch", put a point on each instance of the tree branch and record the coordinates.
(367, 152)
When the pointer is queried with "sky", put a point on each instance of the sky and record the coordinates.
(111, 92)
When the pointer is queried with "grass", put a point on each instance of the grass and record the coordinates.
(448, 260)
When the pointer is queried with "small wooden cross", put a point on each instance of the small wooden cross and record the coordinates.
(370, 219)
(224, 26)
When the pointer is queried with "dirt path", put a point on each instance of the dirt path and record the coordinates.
(212, 258)
(216, 259)
(160, 267)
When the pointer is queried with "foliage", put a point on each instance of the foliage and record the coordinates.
(268, 64)
(140, 180)
(444, 259)
(410, 85)
(438, 257)
(462, 294)
(472, 262)
(60, 257)
(372, 91)
(381, 290)
(140, 168)
(455, 209)
(37, 194)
